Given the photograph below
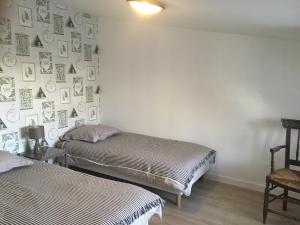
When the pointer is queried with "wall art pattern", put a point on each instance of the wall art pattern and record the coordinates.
(49, 49)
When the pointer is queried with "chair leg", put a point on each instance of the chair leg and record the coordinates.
(266, 203)
(286, 194)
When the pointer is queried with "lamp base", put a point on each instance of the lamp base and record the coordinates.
(37, 147)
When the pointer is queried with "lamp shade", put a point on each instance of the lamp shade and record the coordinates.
(36, 132)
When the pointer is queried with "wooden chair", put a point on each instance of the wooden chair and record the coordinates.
(288, 179)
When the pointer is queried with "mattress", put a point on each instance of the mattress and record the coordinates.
(44, 194)
(160, 163)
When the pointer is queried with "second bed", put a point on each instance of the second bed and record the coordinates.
(168, 165)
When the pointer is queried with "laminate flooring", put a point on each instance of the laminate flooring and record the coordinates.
(213, 203)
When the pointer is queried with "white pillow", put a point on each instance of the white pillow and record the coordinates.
(9, 161)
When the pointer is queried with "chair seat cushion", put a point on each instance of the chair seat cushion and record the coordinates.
(287, 177)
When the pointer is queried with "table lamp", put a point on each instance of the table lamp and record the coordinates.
(37, 133)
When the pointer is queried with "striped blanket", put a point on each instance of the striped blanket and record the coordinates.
(45, 194)
(173, 162)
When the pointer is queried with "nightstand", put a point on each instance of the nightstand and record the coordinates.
(47, 154)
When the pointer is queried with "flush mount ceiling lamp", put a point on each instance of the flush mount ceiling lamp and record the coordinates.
(146, 7)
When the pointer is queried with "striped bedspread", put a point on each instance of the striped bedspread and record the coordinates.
(45, 194)
(173, 161)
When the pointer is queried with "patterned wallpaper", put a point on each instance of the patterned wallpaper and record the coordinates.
(49, 70)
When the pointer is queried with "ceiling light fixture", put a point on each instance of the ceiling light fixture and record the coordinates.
(146, 7)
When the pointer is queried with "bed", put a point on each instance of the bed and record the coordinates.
(168, 165)
(44, 194)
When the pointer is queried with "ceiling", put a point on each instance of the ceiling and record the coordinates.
(269, 18)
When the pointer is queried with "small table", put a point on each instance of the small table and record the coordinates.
(46, 154)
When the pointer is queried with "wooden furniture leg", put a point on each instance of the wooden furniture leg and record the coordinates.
(286, 194)
(204, 177)
(178, 201)
(266, 203)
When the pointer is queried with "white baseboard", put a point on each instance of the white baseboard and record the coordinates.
(246, 184)
(237, 182)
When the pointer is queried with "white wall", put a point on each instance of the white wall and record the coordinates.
(224, 91)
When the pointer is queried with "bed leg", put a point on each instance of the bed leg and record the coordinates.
(178, 201)
(204, 177)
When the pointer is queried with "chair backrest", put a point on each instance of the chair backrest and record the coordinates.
(291, 125)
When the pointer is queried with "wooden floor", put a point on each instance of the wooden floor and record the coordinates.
(214, 203)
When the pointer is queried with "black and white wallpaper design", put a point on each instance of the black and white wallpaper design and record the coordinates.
(49, 70)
